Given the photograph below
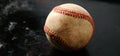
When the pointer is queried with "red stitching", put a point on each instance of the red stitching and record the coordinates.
(47, 30)
(73, 14)
(56, 39)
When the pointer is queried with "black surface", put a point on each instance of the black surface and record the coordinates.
(31, 41)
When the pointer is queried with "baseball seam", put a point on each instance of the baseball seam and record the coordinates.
(55, 38)
(72, 13)
(75, 14)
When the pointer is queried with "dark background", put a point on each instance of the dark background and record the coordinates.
(22, 21)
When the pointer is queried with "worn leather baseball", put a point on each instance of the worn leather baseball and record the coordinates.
(69, 27)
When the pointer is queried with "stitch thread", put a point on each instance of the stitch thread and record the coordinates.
(73, 14)
(55, 38)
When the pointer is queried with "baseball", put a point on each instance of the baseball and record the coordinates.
(69, 27)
